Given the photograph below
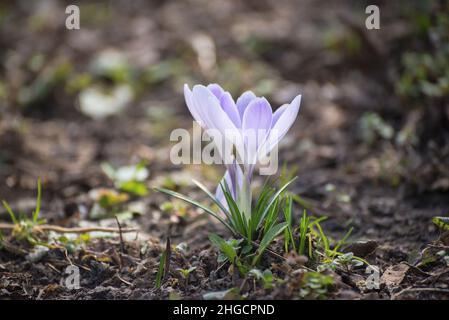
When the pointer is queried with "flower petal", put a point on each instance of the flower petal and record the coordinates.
(256, 125)
(215, 117)
(228, 105)
(277, 114)
(216, 89)
(190, 102)
(234, 179)
(243, 101)
(283, 124)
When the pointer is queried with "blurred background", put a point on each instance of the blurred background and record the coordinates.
(83, 108)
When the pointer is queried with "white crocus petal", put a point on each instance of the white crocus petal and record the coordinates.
(190, 102)
(277, 114)
(215, 117)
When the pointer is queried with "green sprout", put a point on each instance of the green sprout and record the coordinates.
(24, 227)
(315, 285)
(185, 274)
(266, 277)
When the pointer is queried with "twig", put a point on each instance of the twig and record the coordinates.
(438, 246)
(48, 227)
(438, 290)
(277, 255)
(123, 280)
(417, 269)
(122, 246)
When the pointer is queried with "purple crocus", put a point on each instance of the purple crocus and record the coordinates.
(255, 130)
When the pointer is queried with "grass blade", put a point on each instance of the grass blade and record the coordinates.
(212, 197)
(160, 271)
(303, 230)
(268, 238)
(237, 219)
(195, 203)
(343, 240)
(288, 219)
(38, 202)
(273, 199)
(11, 213)
(164, 265)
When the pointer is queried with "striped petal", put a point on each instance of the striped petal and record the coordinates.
(243, 101)
(256, 125)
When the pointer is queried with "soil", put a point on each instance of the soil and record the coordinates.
(353, 182)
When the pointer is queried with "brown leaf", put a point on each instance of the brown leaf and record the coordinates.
(394, 275)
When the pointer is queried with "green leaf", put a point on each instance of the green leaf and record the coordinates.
(226, 248)
(273, 199)
(11, 213)
(323, 237)
(343, 240)
(195, 203)
(268, 238)
(271, 217)
(303, 230)
(212, 197)
(266, 277)
(288, 219)
(135, 187)
(441, 222)
(161, 269)
(38, 202)
(237, 219)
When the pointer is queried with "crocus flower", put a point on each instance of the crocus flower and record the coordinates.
(251, 126)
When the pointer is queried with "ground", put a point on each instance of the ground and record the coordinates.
(353, 172)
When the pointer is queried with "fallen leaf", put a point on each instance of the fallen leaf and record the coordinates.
(394, 275)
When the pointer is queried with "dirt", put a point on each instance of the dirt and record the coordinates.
(354, 183)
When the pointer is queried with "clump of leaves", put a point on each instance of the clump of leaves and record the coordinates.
(229, 251)
(71, 243)
(309, 239)
(315, 285)
(425, 75)
(346, 262)
(311, 236)
(257, 231)
(24, 226)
